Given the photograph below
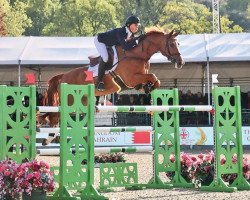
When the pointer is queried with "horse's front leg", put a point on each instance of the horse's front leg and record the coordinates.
(150, 81)
(53, 122)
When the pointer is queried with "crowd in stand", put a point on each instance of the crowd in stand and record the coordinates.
(188, 98)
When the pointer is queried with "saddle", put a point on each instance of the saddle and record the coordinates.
(94, 60)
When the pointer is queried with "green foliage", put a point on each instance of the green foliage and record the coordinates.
(3, 31)
(187, 16)
(82, 18)
(90, 17)
(193, 18)
(41, 14)
(16, 19)
(228, 27)
(149, 17)
(238, 12)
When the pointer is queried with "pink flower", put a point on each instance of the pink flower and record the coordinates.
(222, 161)
(3, 168)
(193, 158)
(201, 156)
(234, 159)
(44, 164)
(29, 176)
(207, 168)
(37, 175)
(172, 158)
(6, 173)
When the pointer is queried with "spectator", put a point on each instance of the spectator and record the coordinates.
(12, 83)
(201, 117)
(120, 100)
(190, 101)
(182, 100)
(132, 100)
(39, 99)
(248, 100)
(199, 100)
(189, 98)
(142, 100)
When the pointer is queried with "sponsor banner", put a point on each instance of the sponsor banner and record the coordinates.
(204, 135)
(188, 136)
(123, 138)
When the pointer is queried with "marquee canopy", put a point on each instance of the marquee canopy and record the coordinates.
(75, 50)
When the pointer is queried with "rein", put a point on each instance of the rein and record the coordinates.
(168, 54)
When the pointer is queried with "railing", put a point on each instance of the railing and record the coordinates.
(186, 119)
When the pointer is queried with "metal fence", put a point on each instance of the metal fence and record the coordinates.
(188, 119)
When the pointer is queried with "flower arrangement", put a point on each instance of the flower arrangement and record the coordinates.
(110, 158)
(200, 169)
(35, 175)
(203, 170)
(9, 184)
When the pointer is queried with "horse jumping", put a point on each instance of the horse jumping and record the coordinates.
(132, 71)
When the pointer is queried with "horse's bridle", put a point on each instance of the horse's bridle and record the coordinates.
(171, 57)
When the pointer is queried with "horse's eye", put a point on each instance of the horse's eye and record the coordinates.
(172, 45)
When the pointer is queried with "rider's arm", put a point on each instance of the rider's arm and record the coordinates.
(126, 45)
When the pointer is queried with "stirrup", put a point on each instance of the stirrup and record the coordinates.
(100, 86)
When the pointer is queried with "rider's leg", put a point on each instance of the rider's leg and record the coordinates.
(101, 73)
(102, 50)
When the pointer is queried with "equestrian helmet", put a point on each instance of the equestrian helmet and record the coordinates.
(132, 20)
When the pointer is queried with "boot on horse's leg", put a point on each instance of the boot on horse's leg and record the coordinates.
(101, 73)
(148, 87)
(48, 140)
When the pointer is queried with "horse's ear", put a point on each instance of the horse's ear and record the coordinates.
(176, 33)
(171, 33)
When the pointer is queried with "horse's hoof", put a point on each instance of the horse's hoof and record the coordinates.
(147, 88)
(138, 87)
(151, 89)
(45, 142)
(57, 139)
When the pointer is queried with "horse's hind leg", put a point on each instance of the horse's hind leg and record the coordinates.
(150, 80)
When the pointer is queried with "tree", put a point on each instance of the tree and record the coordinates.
(187, 17)
(191, 18)
(140, 8)
(16, 19)
(83, 18)
(237, 11)
(228, 26)
(41, 14)
(3, 31)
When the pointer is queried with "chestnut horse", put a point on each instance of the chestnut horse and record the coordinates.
(133, 71)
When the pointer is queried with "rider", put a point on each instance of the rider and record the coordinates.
(118, 36)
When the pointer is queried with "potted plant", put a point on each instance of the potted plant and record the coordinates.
(200, 169)
(9, 184)
(35, 179)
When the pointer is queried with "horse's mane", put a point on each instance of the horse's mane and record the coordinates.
(154, 29)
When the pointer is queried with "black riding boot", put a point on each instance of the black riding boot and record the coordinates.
(101, 72)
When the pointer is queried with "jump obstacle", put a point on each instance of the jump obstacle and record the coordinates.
(227, 139)
(113, 149)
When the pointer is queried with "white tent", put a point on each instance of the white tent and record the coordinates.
(41, 51)
(75, 50)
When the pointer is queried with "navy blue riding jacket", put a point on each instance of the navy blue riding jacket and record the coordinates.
(117, 36)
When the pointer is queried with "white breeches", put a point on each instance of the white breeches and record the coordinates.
(102, 49)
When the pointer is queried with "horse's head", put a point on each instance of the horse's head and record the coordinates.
(167, 44)
(171, 50)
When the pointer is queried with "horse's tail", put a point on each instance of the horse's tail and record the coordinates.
(51, 97)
